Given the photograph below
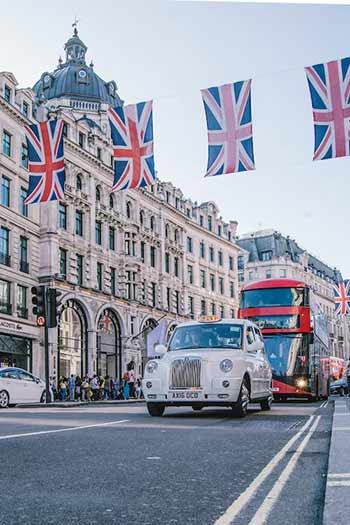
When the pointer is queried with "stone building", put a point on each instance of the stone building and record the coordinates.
(122, 260)
(268, 254)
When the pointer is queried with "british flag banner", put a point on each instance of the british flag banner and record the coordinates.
(329, 86)
(230, 131)
(132, 137)
(342, 298)
(45, 161)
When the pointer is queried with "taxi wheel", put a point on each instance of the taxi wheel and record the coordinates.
(266, 403)
(155, 409)
(4, 399)
(240, 409)
(196, 407)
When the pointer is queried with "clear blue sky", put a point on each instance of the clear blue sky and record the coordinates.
(168, 51)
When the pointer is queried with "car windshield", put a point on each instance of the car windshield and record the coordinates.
(207, 336)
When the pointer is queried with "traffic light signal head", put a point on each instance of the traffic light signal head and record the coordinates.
(38, 300)
(54, 306)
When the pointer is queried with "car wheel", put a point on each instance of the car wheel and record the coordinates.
(266, 403)
(240, 409)
(43, 397)
(155, 409)
(196, 408)
(4, 399)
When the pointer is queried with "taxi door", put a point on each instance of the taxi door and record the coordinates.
(256, 363)
(266, 369)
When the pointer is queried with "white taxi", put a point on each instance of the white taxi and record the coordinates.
(210, 362)
(20, 386)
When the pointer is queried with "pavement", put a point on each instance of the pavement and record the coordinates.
(337, 500)
(116, 464)
(75, 404)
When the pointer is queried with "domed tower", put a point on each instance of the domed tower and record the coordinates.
(74, 84)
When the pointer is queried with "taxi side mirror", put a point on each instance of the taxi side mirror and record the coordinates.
(160, 349)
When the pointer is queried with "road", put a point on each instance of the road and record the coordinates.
(115, 464)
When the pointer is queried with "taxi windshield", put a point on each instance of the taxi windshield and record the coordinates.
(207, 335)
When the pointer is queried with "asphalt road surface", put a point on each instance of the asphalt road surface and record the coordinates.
(116, 464)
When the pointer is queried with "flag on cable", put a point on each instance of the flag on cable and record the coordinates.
(132, 137)
(45, 161)
(329, 86)
(230, 132)
(342, 298)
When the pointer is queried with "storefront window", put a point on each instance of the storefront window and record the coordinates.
(72, 342)
(15, 351)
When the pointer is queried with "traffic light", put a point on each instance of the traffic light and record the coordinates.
(54, 306)
(39, 306)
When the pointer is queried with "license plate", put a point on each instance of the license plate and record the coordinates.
(275, 389)
(185, 395)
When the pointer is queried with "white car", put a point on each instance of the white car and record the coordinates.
(210, 362)
(20, 386)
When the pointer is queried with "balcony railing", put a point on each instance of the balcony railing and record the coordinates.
(22, 312)
(5, 259)
(24, 266)
(5, 308)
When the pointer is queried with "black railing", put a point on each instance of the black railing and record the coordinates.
(24, 266)
(5, 259)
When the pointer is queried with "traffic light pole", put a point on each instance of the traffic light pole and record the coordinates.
(47, 361)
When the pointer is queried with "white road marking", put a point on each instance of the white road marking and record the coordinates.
(236, 507)
(153, 457)
(262, 514)
(338, 483)
(323, 404)
(69, 429)
(340, 475)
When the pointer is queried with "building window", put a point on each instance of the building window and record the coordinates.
(188, 213)
(81, 139)
(190, 273)
(5, 246)
(232, 289)
(230, 263)
(130, 243)
(142, 218)
(111, 238)
(201, 220)
(79, 183)
(177, 203)
(7, 93)
(128, 210)
(241, 277)
(62, 216)
(229, 235)
(63, 263)
(113, 281)
(177, 301)
(222, 312)
(219, 230)
(23, 208)
(176, 235)
(98, 193)
(202, 250)
(65, 129)
(25, 108)
(176, 267)
(251, 276)
(153, 256)
(131, 290)
(221, 285)
(168, 298)
(80, 269)
(6, 143)
(189, 244)
(22, 310)
(212, 282)
(98, 232)
(98, 153)
(210, 223)
(167, 196)
(283, 273)
(111, 202)
(266, 256)
(211, 254)
(167, 263)
(23, 255)
(132, 324)
(233, 314)
(203, 307)
(220, 257)
(5, 297)
(190, 306)
(268, 274)
(79, 223)
(24, 156)
(240, 262)
(167, 231)
(143, 251)
(154, 294)
(152, 224)
(5, 191)
(99, 272)
(202, 278)
(213, 308)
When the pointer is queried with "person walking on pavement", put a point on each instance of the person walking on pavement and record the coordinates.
(62, 388)
(126, 390)
(71, 384)
(131, 382)
(94, 387)
(78, 383)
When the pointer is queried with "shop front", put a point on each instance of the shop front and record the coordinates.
(15, 350)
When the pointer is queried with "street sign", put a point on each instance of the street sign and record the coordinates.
(40, 321)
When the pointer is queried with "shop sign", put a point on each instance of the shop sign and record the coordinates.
(10, 325)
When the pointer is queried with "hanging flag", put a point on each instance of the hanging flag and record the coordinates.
(329, 86)
(230, 132)
(45, 161)
(342, 298)
(132, 137)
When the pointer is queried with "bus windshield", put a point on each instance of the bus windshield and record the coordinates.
(207, 336)
(274, 297)
(287, 354)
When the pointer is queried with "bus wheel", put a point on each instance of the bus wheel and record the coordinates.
(155, 409)
(240, 409)
(266, 404)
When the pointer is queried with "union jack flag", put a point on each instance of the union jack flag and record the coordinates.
(230, 132)
(45, 161)
(132, 137)
(342, 298)
(329, 86)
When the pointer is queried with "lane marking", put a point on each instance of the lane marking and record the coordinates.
(338, 483)
(236, 507)
(262, 514)
(323, 404)
(340, 475)
(69, 429)
(153, 457)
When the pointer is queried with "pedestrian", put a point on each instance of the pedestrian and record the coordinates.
(78, 383)
(116, 387)
(131, 382)
(62, 388)
(126, 388)
(94, 387)
(347, 374)
(101, 384)
(138, 390)
(71, 384)
(107, 388)
(53, 388)
(86, 389)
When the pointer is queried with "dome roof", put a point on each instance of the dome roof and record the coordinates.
(75, 79)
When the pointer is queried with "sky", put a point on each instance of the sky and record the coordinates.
(169, 50)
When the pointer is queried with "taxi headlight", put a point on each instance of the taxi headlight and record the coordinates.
(226, 365)
(151, 367)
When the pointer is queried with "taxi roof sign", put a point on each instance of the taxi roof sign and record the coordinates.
(209, 319)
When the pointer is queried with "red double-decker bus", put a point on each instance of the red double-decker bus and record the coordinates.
(295, 335)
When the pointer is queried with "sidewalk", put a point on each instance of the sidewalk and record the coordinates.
(75, 404)
(337, 500)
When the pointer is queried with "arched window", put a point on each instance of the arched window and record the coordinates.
(142, 218)
(128, 210)
(79, 182)
(153, 223)
(167, 231)
(176, 235)
(98, 193)
(72, 341)
(111, 202)
(109, 357)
